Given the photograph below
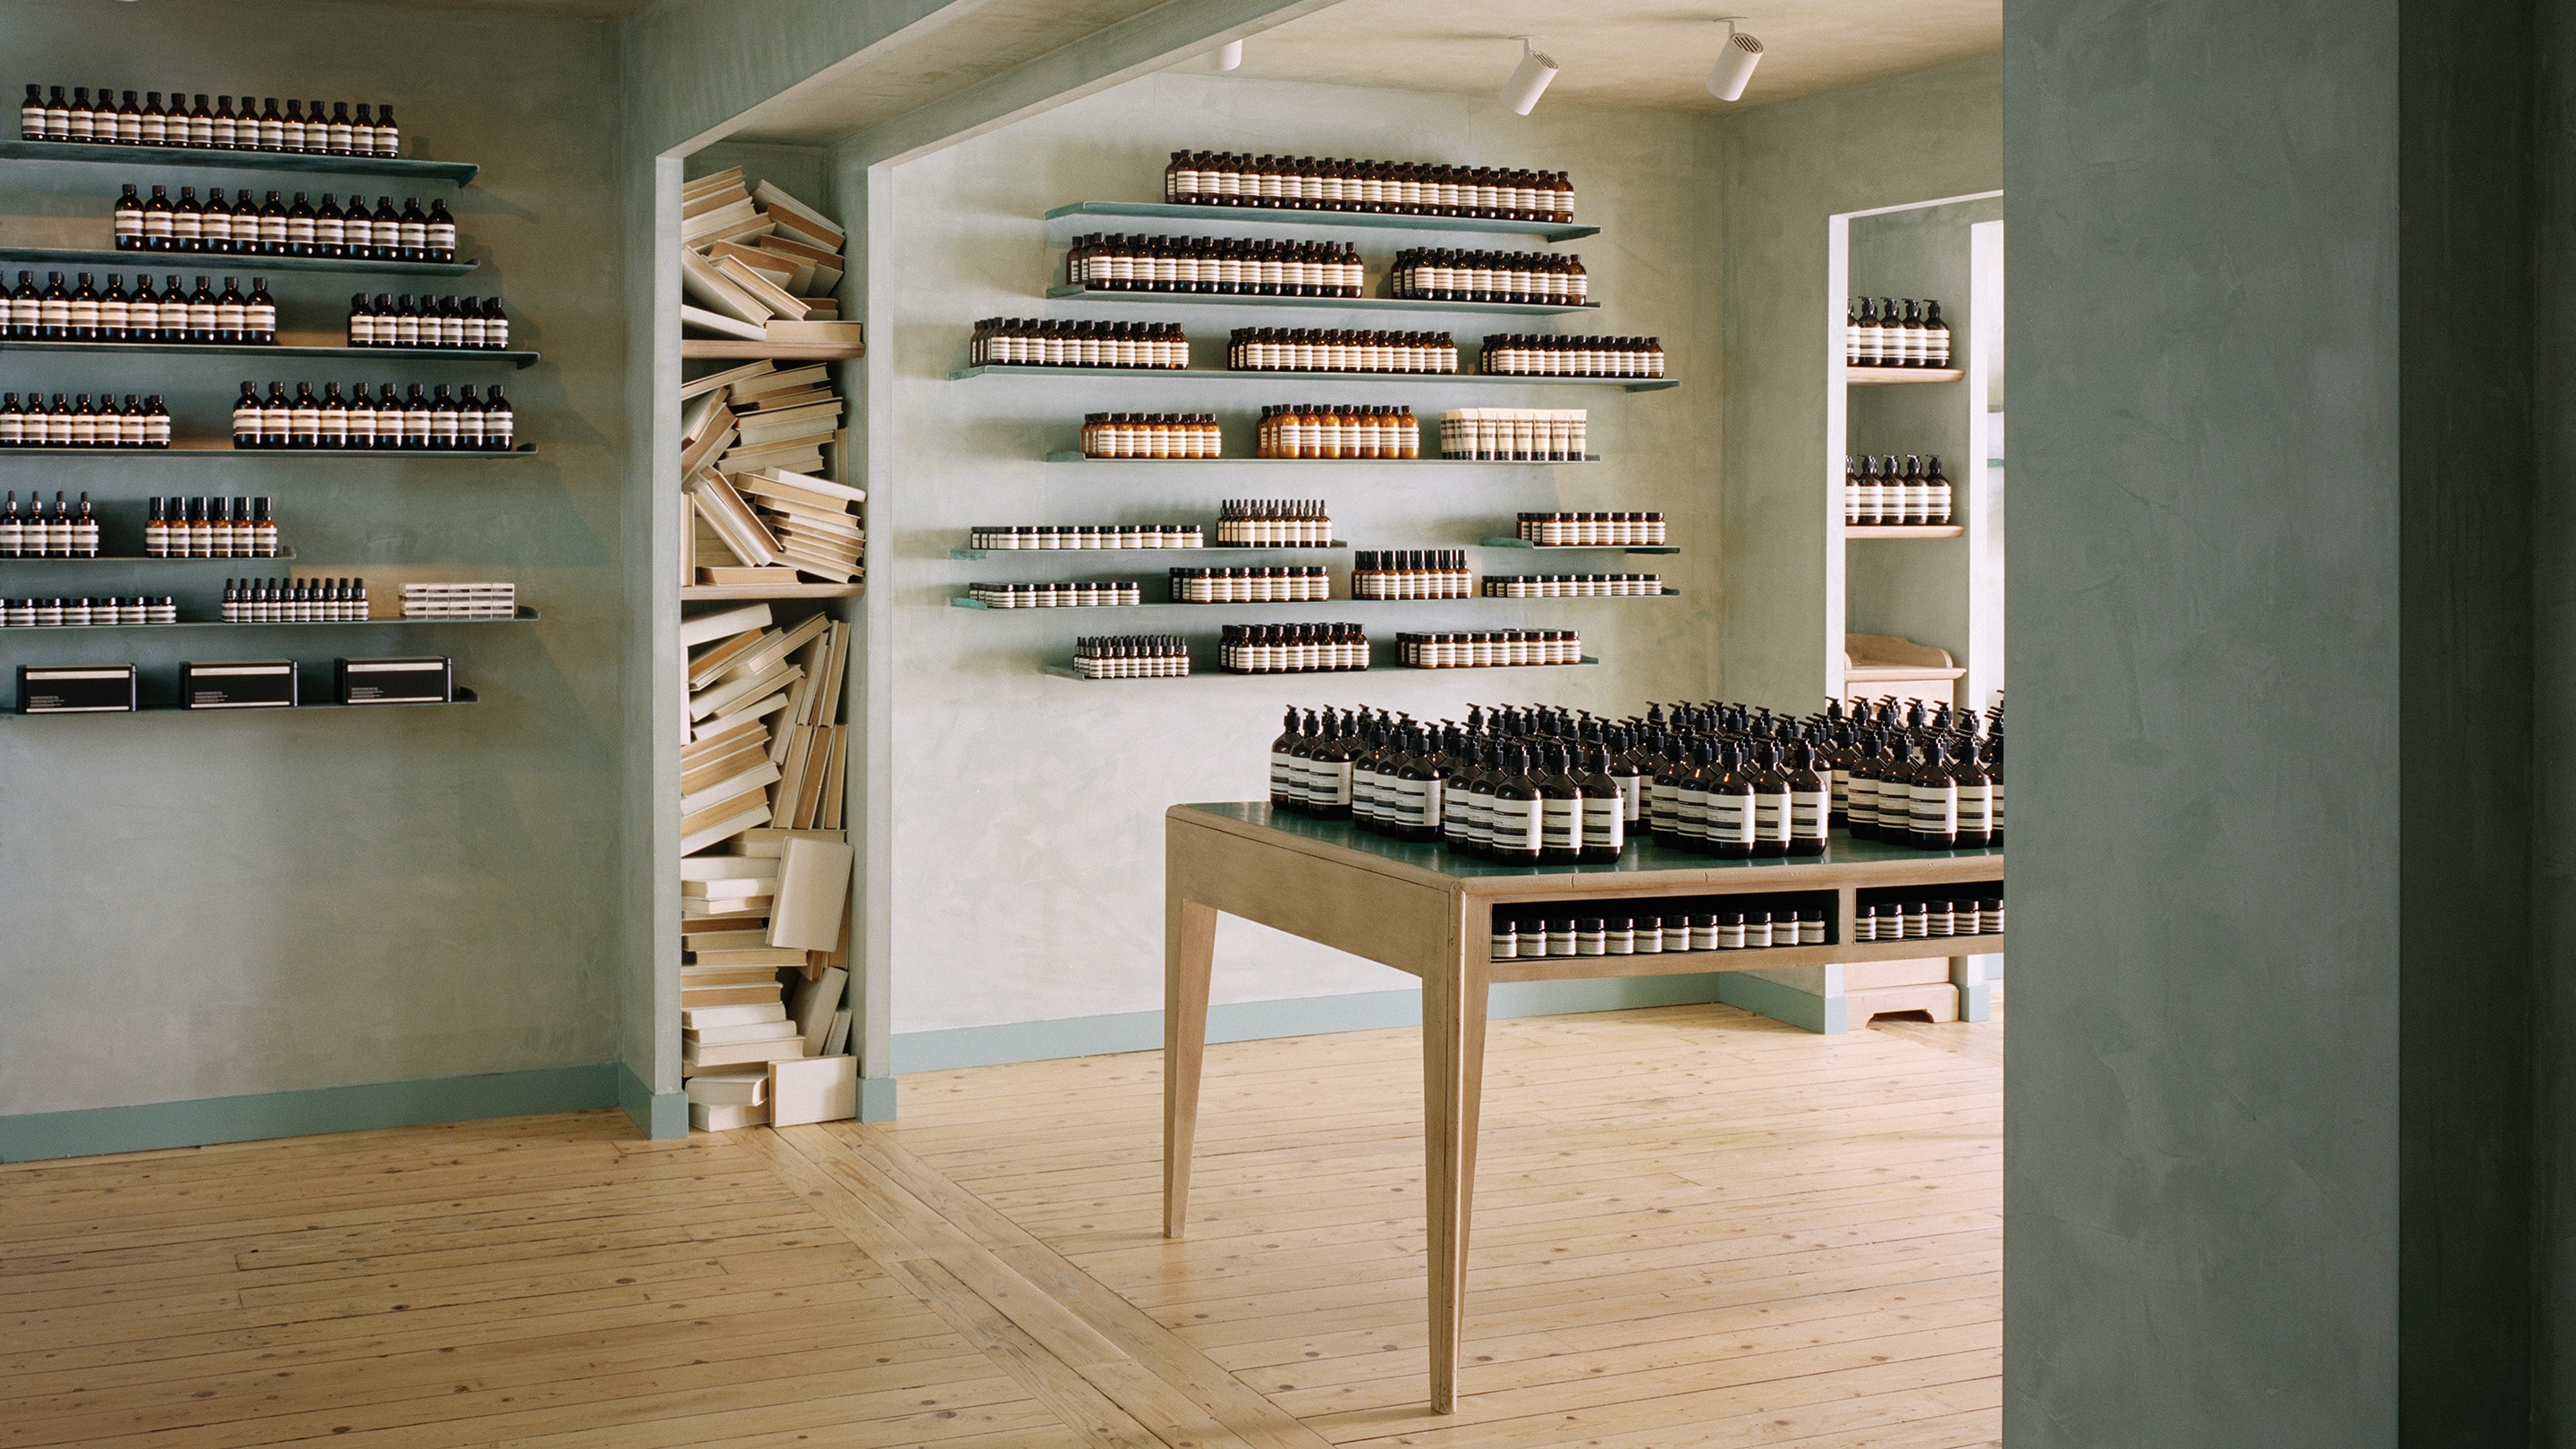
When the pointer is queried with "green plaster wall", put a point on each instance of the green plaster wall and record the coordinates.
(2268, 1105)
(247, 905)
(1788, 168)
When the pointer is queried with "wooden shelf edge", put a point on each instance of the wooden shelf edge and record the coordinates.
(1882, 376)
(1871, 530)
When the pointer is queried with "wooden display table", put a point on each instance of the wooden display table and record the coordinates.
(1427, 911)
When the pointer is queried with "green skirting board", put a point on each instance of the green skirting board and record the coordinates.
(34, 1135)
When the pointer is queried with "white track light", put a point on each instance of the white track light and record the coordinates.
(1529, 82)
(1734, 64)
(1228, 55)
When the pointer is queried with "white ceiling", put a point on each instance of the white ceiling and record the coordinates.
(1648, 54)
(956, 49)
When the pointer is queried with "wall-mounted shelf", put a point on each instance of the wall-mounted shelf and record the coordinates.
(145, 558)
(960, 601)
(252, 349)
(1351, 220)
(240, 262)
(59, 631)
(223, 448)
(1882, 376)
(1437, 379)
(1902, 530)
(1076, 457)
(1334, 304)
(92, 152)
(1213, 550)
(737, 350)
(463, 696)
(1501, 542)
(717, 593)
(1067, 671)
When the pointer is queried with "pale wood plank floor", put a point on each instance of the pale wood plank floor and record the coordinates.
(1693, 1227)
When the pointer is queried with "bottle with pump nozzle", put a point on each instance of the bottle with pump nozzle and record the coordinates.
(1810, 800)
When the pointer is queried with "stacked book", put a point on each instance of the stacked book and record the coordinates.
(460, 601)
(763, 504)
(757, 264)
(765, 860)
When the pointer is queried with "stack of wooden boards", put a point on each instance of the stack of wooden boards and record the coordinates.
(763, 503)
(757, 264)
(764, 870)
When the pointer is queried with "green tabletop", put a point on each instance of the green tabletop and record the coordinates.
(1640, 857)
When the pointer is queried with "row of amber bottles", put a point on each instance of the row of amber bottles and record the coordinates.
(301, 127)
(80, 423)
(1441, 274)
(1410, 188)
(279, 228)
(1032, 342)
(1895, 332)
(1222, 266)
(83, 313)
(1884, 493)
(1151, 435)
(1345, 431)
(1312, 349)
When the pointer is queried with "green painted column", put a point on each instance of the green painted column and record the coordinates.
(2268, 1085)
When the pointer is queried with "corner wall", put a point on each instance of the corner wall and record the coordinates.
(1788, 167)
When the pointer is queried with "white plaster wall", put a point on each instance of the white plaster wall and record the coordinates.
(1027, 845)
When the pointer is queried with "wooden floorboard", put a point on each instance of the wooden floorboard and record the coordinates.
(1693, 1227)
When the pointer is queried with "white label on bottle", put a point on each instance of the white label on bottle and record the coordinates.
(1974, 802)
(1516, 825)
(1807, 814)
(1862, 800)
(1560, 823)
(1605, 822)
(1935, 809)
(1770, 817)
(1695, 810)
(1330, 781)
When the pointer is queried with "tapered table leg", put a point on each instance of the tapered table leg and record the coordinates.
(1189, 952)
(1453, 1081)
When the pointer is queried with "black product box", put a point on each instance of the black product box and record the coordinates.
(239, 684)
(430, 679)
(76, 689)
